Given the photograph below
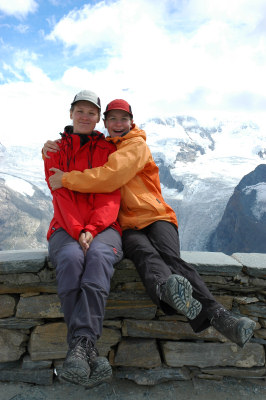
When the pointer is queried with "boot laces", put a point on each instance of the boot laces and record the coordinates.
(82, 348)
(224, 317)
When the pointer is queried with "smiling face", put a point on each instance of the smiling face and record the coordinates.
(85, 116)
(118, 122)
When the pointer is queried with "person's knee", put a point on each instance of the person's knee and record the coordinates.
(101, 251)
(69, 271)
(70, 256)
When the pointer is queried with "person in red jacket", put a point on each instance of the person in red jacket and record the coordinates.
(150, 229)
(84, 241)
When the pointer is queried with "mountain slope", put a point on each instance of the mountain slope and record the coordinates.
(243, 225)
(25, 213)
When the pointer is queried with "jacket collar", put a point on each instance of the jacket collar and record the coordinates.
(133, 133)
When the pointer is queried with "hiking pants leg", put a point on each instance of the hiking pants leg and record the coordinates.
(67, 257)
(84, 282)
(163, 237)
(152, 269)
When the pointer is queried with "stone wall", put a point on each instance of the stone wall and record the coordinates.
(141, 343)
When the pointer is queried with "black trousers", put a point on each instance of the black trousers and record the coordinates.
(155, 251)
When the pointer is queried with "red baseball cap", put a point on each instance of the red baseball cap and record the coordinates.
(118, 104)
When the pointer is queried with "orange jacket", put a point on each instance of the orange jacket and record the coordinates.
(132, 169)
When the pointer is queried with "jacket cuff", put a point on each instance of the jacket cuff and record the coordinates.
(92, 229)
(76, 233)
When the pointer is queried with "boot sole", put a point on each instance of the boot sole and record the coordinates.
(179, 296)
(73, 375)
(101, 371)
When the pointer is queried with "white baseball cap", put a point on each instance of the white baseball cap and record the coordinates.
(87, 95)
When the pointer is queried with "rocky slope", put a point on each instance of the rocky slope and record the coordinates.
(24, 217)
(243, 225)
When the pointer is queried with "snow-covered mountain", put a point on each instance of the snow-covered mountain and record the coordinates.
(25, 201)
(200, 166)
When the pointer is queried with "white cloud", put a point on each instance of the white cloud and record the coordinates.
(18, 8)
(165, 57)
(107, 25)
(33, 111)
(10, 69)
(201, 50)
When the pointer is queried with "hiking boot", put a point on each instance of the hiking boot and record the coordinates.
(77, 365)
(238, 330)
(177, 292)
(101, 371)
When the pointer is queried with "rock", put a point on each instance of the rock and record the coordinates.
(257, 309)
(175, 330)
(154, 376)
(262, 322)
(261, 333)
(254, 264)
(10, 364)
(179, 354)
(257, 283)
(7, 306)
(110, 337)
(19, 261)
(129, 305)
(34, 288)
(48, 342)
(44, 306)
(39, 377)
(12, 344)
(236, 372)
(20, 323)
(27, 363)
(242, 228)
(112, 323)
(246, 300)
(18, 279)
(214, 263)
(141, 353)
(47, 275)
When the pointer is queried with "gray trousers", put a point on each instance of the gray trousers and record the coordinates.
(84, 281)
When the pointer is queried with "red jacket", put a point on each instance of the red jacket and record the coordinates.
(74, 211)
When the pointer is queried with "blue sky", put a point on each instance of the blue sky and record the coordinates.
(166, 57)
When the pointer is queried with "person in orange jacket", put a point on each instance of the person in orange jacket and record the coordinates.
(84, 241)
(150, 228)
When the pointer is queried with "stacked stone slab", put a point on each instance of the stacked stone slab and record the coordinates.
(141, 343)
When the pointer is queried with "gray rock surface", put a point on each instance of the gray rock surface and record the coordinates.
(119, 389)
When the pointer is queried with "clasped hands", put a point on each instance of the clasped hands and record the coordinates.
(85, 239)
